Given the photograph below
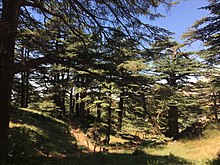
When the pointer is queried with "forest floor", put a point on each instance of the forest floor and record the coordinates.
(82, 139)
(54, 136)
(197, 151)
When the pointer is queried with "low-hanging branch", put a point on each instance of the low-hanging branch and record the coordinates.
(31, 64)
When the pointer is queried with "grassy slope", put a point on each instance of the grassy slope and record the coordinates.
(197, 151)
(49, 132)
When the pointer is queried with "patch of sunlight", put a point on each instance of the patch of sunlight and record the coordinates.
(198, 150)
(30, 127)
(114, 139)
(44, 114)
(31, 110)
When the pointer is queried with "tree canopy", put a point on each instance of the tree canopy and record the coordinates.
(103, 65)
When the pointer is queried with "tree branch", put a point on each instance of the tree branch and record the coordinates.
(45, 10)
(33, 63)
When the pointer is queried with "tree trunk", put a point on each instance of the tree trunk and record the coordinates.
(77, 105)
(24, 80)
(22, 89)
(215, 107)
(98, 112)
(120, 112)
(173, 122)
(152, 119)
(173, 129)
(63, 106)
(71, 101)
(6, 81)
(26, 90)
(8, 28)
(108, 131)
(62, 94)
(82, 108)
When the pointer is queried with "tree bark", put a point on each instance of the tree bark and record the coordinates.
(98, 112)
(24, 80)
(26, 90)
(71, 101)
(63, 106)
(77, 105)
(63, 94)
(173, 128)
(108, 131)
(120, 112)
(82, 107)
(215, 107)
(8, 29)
(6, 81)
(173, 122)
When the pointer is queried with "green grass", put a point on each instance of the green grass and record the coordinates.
(41, 132)
(198, 151)
(136, 158)
(44, 133)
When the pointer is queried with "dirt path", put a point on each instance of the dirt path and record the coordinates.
(82, 139)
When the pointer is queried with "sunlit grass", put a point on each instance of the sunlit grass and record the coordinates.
(47, 132)
(114, 139)
(30, 127)
(44, 114)
(198, 150)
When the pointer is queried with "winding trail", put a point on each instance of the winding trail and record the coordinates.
(82, 139)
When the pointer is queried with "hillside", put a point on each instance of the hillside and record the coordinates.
(40, 138)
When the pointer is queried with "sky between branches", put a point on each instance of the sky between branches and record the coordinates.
(181, 17)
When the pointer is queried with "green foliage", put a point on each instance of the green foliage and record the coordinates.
(43, 106)
(173, 69)
(207, 31)
(94, 47)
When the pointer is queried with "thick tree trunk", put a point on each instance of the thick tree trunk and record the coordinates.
(8, 28)
(173, 122)
(173, 128)
(6, 81)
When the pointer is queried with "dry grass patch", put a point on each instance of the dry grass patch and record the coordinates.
(199, 150)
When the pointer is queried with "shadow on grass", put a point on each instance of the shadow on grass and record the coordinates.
(137, 158)
(48, 134)
(34, 133)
